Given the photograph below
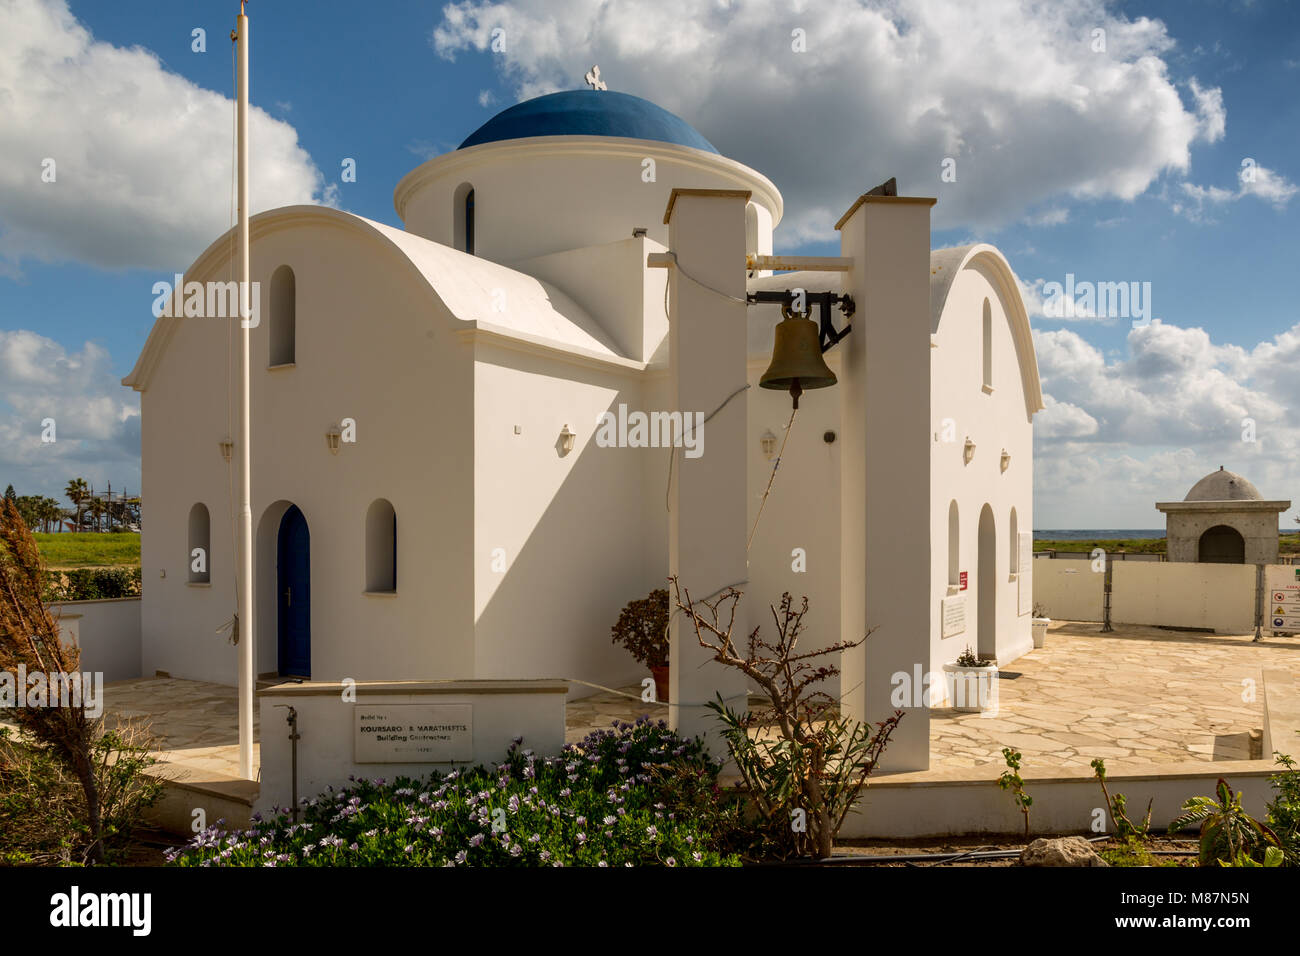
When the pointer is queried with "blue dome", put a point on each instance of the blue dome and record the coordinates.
(588, 113)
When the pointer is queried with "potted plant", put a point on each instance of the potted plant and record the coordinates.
(642, 628)
(972, 682)
(1040, 625)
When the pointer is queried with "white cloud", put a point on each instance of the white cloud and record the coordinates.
(96, 421)
(1210, 111)
(1252, 179)
(1055, 216)
(1011, 90)
(1063, 420)
(142, 156)
(1174, 407)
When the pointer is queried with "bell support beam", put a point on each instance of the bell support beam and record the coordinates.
(708, 358)
(885, 506)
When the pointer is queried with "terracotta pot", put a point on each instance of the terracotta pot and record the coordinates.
(661, 682)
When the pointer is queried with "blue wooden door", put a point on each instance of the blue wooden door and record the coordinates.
(294, 578)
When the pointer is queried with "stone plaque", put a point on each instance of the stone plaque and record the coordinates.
(954, 615)
(413, 733)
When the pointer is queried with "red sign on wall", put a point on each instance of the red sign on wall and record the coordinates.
(961, 578)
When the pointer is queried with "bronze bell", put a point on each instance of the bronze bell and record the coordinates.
(797, 363)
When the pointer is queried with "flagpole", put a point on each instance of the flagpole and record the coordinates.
(247, 677)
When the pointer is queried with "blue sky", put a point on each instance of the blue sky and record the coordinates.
(1120, 164)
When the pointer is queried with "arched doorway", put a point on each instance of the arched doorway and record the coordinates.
(293, 579)
(1222, 545)
(986, 581)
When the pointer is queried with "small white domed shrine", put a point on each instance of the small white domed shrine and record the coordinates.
(1223, 520)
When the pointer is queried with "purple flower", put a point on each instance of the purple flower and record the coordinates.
(476, 840)
(582, 838)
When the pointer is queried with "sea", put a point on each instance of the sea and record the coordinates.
(1100, 534)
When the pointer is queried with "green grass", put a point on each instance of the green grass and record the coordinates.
(89, 550)
(1136, 545)
(1287, 543)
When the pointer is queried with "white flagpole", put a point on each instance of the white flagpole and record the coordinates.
(247, 677)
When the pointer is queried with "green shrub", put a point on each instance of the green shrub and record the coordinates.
(43, 807)
(600, 803)
(1228, 832)
(642, 628)
(93, 584)
(1284, 809)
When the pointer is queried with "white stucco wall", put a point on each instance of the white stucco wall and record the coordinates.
(571, 529)
(994, 420)
(373, 346)
(803, 508)
(1069, 590)
(107, 632)
(1174, 594)
(547, 194)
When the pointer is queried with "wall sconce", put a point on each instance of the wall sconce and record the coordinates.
(566, 440)
(332, 438)
(968, 452)
(227, 448)
(767, 442)
(1006, 459)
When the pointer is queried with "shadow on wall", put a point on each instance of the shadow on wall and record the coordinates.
(592, 550)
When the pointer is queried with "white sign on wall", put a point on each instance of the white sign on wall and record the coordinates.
(1282, 594)
(954, 615)
(1025, 571)
(414, 733)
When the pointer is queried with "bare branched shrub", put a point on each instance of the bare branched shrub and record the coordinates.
(54, 741)
(804, 780)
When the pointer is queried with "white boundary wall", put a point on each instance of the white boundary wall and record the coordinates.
(1179, 594)
(1069, 590)
(108, 633)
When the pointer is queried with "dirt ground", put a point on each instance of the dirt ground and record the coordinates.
(1168, 851)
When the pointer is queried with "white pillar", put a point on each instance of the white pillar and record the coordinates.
(247, 670)
(708, 345)
(885, 466)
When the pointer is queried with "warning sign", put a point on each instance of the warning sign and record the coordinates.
(1283, 583)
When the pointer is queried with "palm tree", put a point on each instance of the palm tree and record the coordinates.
(96, 511)
(76, 492)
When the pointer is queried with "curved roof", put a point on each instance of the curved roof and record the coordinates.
(588, 113)
(1223, 485)
(945, 264)
(467, 286)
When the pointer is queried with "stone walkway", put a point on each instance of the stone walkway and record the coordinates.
(1139, 696)
(196, 722)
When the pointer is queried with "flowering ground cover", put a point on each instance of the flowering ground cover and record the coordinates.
(630, 796)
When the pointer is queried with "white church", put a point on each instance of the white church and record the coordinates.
(430, 500)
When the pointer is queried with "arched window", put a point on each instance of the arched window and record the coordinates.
(284, 317)
(954, 546)
(751, 230)
(988, 346)
(381, 547)
(1013, 560)
(200, 550)
(464, 218)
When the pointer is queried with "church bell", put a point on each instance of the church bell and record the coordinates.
(797, 363)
